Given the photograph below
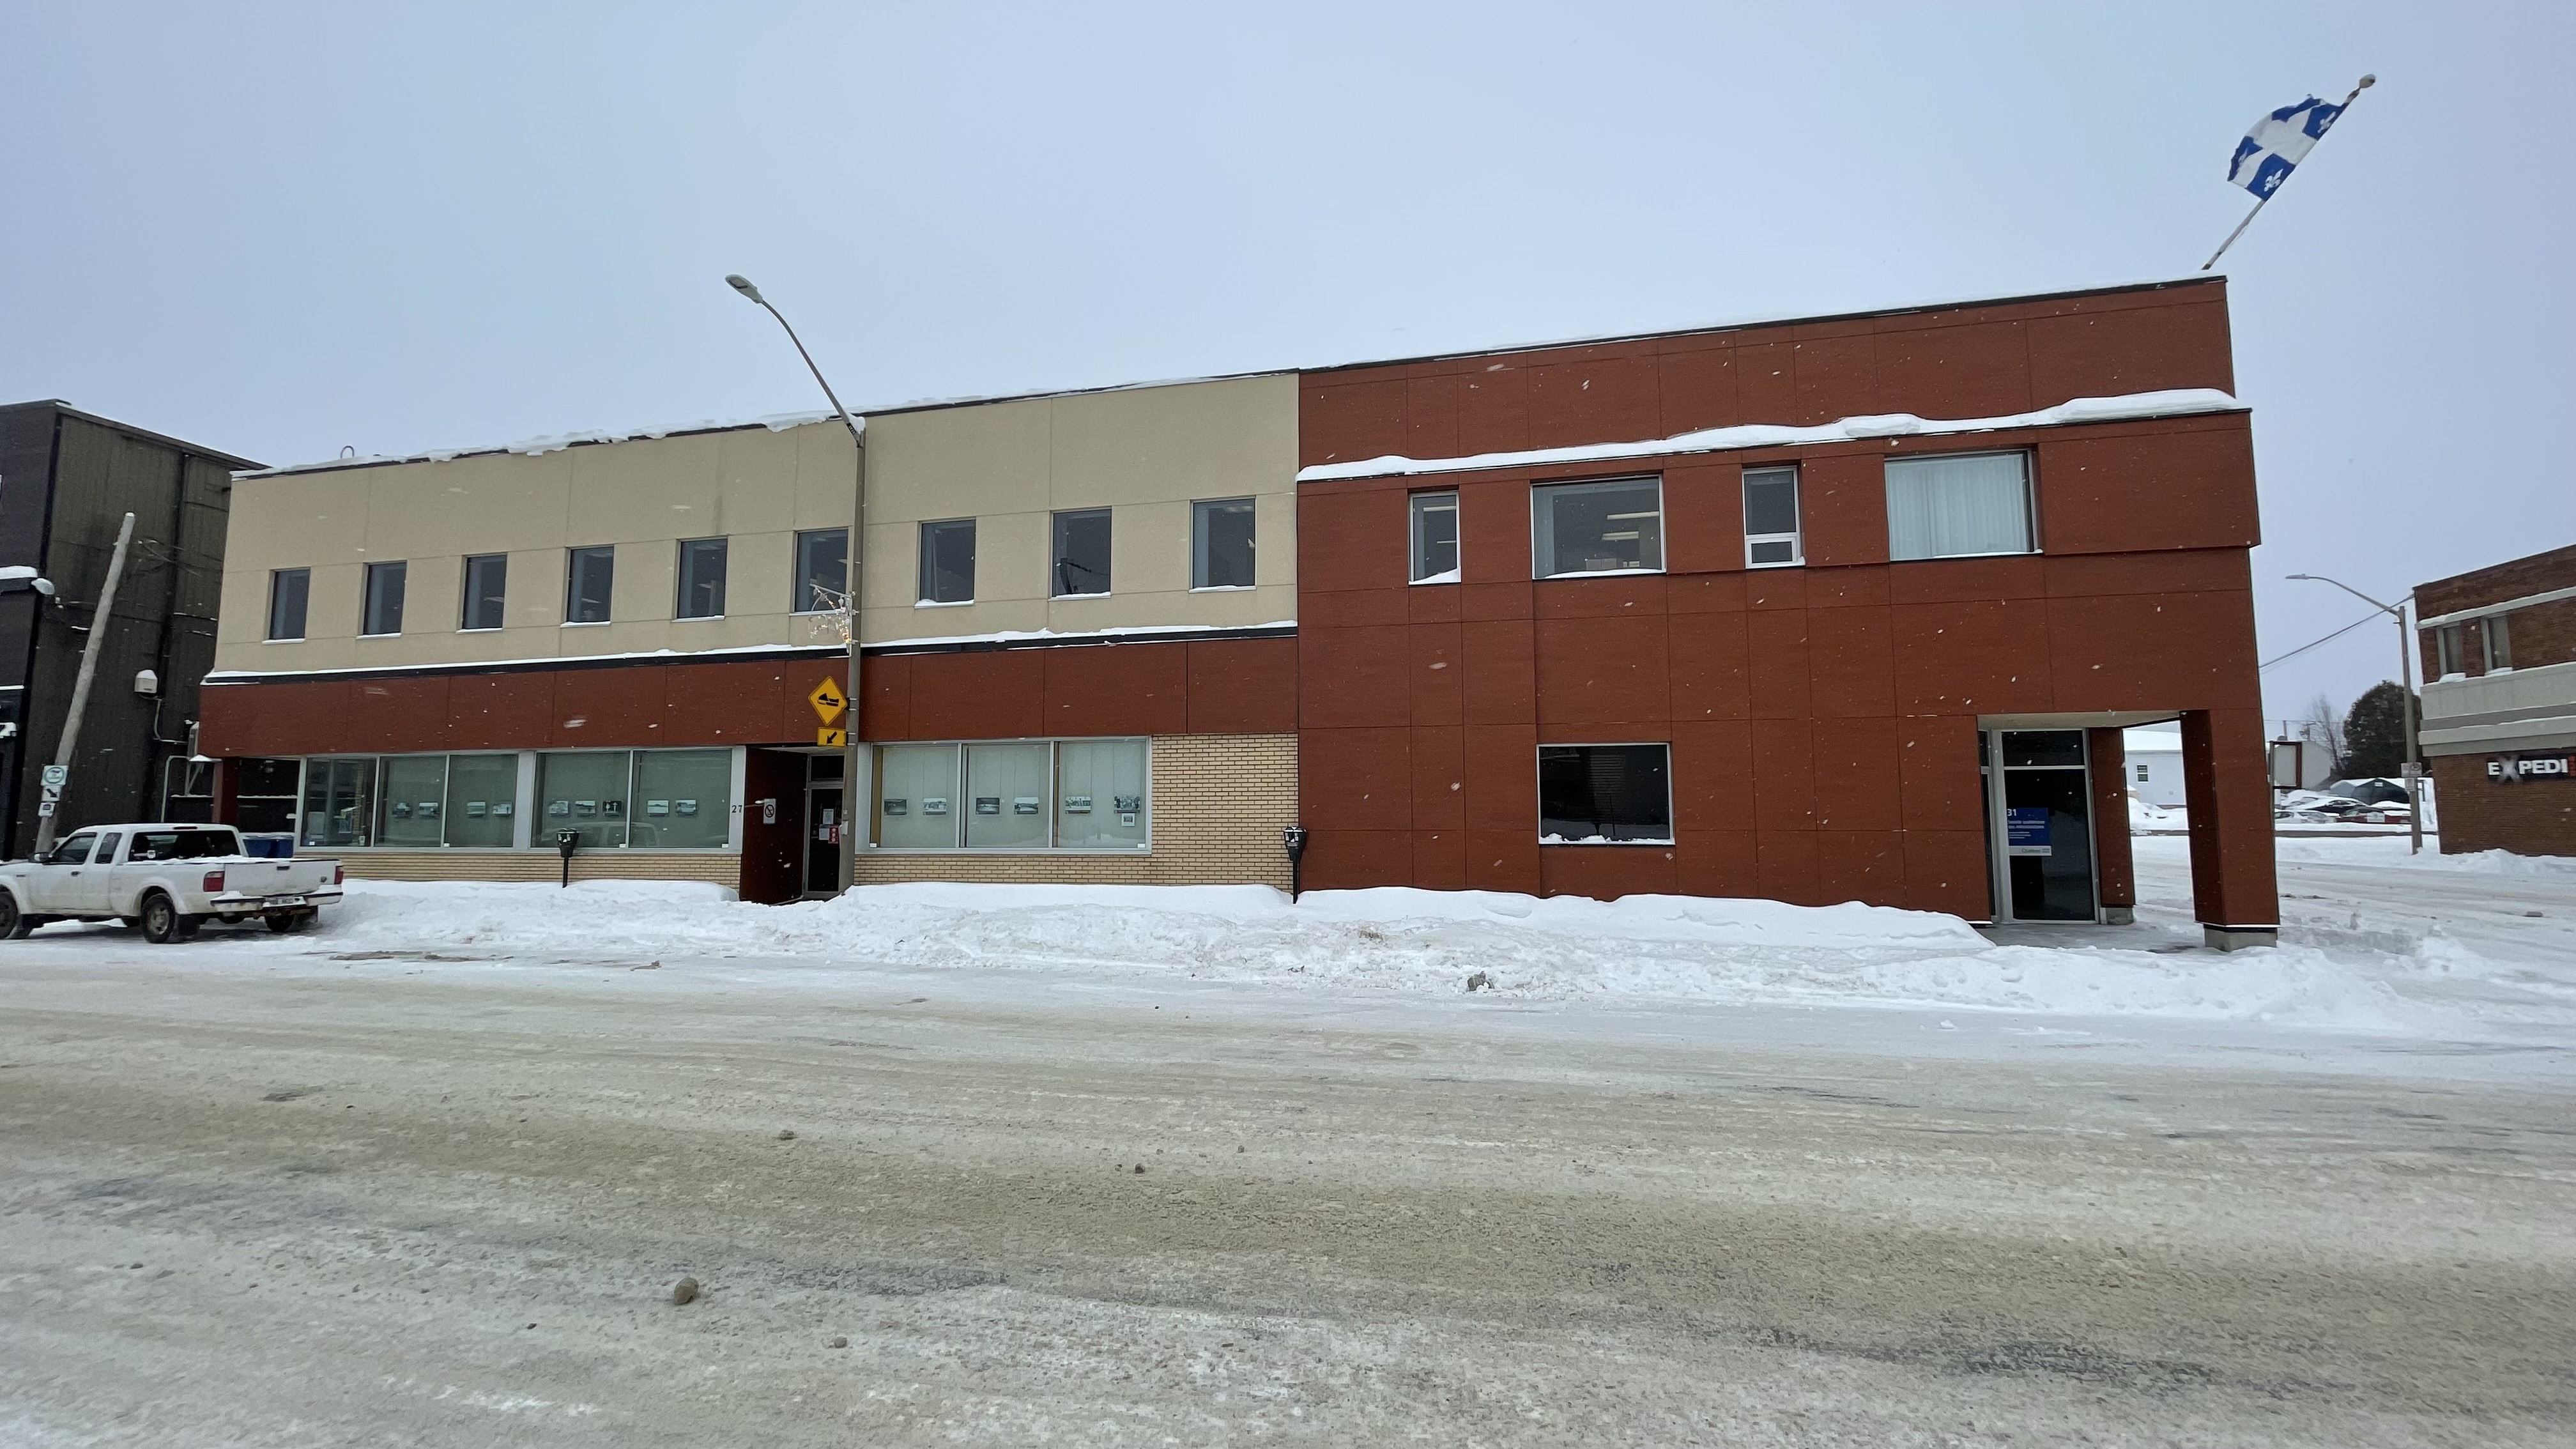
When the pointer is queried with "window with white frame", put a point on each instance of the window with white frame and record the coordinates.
(1959, 505)
(2448, 652)
(1221, 543)
(1435, 538)
(1771, 532)
(1605, 794)
(1013, 795)
(948, 562)
(1615, 525)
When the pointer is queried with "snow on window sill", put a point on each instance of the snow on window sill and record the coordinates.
(1601, 574)
(394, 635)
(699, 618)
(1794, 563)
(1599, 840)
(941, 603)
(1069, 598)
(480, 629)
(298, 639)
(585, 623)
(1222, 588)
(1446, 576)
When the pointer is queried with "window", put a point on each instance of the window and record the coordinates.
(635, 799)
(2142, 774)
(487, 578)
(339, 802)
(1081, 553)
(288, 591)
(702, 578)
(1023, 795)
(2447, 652)
(1771, 518)
(482, 800)
(1959, 506)
(1605, 795)
(414, 795)
(74, 851)
(384, 603)
(590, 575)
(1616, 526)
(948, 562)
(1221, 543)
(1435, 538)
(264, 793)
(822, 571)
(2499, 643)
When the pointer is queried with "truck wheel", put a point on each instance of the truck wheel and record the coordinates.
(161, 920)
(14, 924)
(285, 921)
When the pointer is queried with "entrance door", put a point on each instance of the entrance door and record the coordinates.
(823, 826)
(2039, 821)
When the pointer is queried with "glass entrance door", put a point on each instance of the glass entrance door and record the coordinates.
(2040, 824)
(823, 839)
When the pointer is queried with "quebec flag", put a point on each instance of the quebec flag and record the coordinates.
(2278, 143)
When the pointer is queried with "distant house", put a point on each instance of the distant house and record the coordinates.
(2153, 764)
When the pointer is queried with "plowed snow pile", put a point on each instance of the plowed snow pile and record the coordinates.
(1394, 940)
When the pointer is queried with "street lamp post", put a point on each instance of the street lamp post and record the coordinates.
(850, 769)
(2406, 687)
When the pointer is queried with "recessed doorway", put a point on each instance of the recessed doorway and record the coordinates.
(2039, 825)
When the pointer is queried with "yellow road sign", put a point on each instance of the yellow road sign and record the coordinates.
(832, 738)
(828, 701)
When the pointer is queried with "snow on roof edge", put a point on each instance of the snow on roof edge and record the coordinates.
(2173, 402)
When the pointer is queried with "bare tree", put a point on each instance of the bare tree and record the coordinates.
(2322, 726)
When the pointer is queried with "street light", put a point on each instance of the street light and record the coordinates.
(858, 535)
(2406, 687)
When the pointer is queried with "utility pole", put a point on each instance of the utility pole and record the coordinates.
(2405, 687)
(98, 621)
(855, 756)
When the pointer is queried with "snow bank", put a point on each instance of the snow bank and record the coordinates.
(1385, 940)
(2392, 850)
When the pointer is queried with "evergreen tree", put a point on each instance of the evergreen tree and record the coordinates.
(2374, 734)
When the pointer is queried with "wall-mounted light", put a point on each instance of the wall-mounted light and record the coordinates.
(147, 683)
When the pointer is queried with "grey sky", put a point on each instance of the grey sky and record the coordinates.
(280, 229)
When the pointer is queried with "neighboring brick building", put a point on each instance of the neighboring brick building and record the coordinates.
(2499, 727)
(1692, 612)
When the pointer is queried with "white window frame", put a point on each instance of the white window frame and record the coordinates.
(922, 569)
(1796, 537)
(1416, 505)
(2029, 501)
(1543, 537)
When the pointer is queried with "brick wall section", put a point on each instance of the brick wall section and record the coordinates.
(1219, 803)
(716, 868)
(2535, 817)
(2543, 634)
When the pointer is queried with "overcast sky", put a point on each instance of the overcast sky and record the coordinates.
(280, 229)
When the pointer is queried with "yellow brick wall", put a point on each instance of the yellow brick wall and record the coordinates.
(1218, 806)
(717, 867)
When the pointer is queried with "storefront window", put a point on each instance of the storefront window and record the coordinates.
(583, 792)
(339, 801)
(482, 799)
(1100, 795)
(1605, 795)
(683, 799)
(916, 796)
(415, 789)
(1006, 793)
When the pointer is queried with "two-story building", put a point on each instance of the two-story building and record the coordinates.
(1850, 608)
(2499, 724)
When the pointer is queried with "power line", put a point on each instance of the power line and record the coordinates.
(2313, 643)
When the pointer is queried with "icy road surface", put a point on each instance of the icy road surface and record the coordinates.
(289, 1192)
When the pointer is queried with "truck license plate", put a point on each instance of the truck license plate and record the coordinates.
(285, 900)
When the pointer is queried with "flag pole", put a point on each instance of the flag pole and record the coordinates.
(2366, 83)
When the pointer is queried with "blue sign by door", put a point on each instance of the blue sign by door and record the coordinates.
(2026, 830)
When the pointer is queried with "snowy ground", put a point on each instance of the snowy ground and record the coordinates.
(1093, 1170)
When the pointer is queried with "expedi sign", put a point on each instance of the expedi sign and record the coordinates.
(2514, 769)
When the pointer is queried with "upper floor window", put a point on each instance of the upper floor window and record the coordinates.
(702, 578)
(590, 577)
(2447, 653)
(1771, 536)
(822, 571)
(487, 579)
(1435, 538)
(948, 562)
(288, 592)
(1614, 526)
(384, 601)
(1081, 553)
(2499, 642)
(1959, 505)
(1221, 543)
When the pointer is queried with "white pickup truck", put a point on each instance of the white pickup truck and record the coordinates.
(167, 879)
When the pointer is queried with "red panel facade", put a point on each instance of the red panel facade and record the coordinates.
(1823, 719)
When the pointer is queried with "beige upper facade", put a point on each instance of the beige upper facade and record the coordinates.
(1146, 454)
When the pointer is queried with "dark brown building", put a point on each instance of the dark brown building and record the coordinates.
(2499, 724)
